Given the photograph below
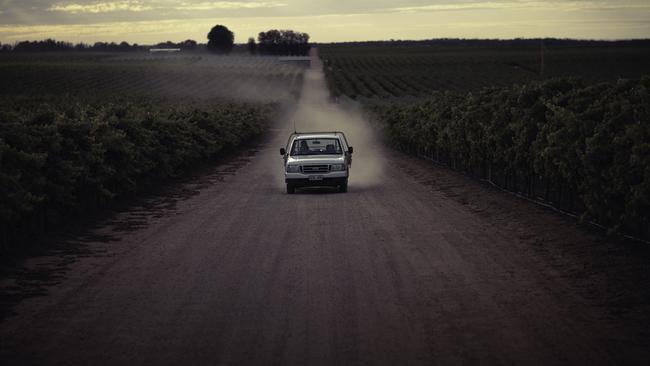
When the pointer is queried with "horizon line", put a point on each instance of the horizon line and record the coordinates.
(364, 41)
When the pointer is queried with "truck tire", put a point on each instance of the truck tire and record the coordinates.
(290, 189)
(343, 187)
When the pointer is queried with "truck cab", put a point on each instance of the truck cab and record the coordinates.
(317, 159)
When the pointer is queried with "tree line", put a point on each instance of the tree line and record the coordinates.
(273, 42)
(282, 42)
(51, 45)
(221, 40)
(516, 42)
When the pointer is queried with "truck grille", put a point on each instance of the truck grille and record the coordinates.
(315, 169)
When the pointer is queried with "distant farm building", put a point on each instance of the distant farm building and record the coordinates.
(297, 60)
(164, 50)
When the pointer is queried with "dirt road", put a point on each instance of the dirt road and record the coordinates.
(398, 271)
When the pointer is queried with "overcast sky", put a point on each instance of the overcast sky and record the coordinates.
(325, 20)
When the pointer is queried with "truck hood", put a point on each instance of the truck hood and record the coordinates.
(316, 159)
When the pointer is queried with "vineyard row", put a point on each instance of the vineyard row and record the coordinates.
(584, 149)
(61, 159)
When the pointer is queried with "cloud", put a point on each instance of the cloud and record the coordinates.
(152, 21)
(504, 5)
(446, 7)
(140, 6)
(211, 5)
(101, 7)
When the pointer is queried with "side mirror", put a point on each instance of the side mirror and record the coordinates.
(283, 152)
(350, 150)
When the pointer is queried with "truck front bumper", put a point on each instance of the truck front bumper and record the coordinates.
(330, 179)
(325, 182)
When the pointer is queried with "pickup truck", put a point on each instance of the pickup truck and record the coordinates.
(317, 159)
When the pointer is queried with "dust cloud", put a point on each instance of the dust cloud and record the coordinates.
(316, 112)
(257, 79)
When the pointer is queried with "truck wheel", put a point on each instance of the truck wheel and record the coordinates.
(343, 187)
(291, 189)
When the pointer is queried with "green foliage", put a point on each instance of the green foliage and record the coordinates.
(60, 159)
(594, 141)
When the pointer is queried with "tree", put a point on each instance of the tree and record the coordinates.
(283, 42)
(81, 46)
(48, 45)
(189, 44)
(220, 39)
(167, 44)
(252, 46)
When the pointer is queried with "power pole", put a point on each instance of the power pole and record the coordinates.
(541, 56)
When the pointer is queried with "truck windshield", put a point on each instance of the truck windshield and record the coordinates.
(315, 146)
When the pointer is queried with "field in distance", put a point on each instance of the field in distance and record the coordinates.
(192, 76)
(394, 70)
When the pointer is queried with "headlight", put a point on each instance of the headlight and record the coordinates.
(293, 168)
(337, 167)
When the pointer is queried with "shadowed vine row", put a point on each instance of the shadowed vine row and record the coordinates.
(585, 149)
(61, 159)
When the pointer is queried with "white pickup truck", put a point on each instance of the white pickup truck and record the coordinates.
(317, 159)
